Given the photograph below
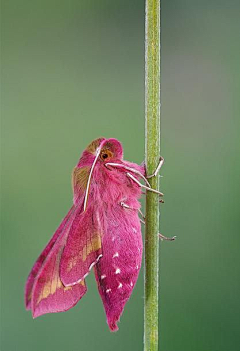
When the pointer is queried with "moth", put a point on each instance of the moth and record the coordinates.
(101, 231)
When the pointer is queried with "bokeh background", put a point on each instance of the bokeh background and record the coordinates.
(73, 71)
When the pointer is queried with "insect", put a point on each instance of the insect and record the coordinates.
(102, 231)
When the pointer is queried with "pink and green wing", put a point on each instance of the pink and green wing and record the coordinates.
(56, 281)
(83, 248)
(41, 259)
(48, 292)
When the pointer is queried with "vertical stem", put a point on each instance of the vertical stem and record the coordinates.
(152, 151)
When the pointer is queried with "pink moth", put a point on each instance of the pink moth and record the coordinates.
(102, 231)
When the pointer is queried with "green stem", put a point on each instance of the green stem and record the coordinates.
(152, 150)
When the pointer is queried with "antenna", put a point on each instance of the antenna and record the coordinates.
(89, 178)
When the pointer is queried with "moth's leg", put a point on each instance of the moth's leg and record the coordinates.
(131, 208)
(162, 237)
(118, 165)
(143, 216)
(159, 166)
(144, 186)
(125, 205)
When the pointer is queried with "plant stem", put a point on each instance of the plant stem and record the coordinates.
(152, 151)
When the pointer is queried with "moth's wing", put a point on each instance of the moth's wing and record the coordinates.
(79, 182)
(48, 292)
(117, 271)
(41, 259)
(83, 248)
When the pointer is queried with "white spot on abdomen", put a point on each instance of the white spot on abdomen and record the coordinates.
(108, 291)
(115, 255)
(117, 271)
(103, 276)
(120, 286)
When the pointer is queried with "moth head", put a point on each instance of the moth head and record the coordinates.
(101, 150)
(111, 149)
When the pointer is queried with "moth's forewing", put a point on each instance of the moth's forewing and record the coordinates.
(48, 292)
(83, 248)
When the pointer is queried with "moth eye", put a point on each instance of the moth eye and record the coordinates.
(106, 155)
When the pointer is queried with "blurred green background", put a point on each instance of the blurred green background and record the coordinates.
(73, 71)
